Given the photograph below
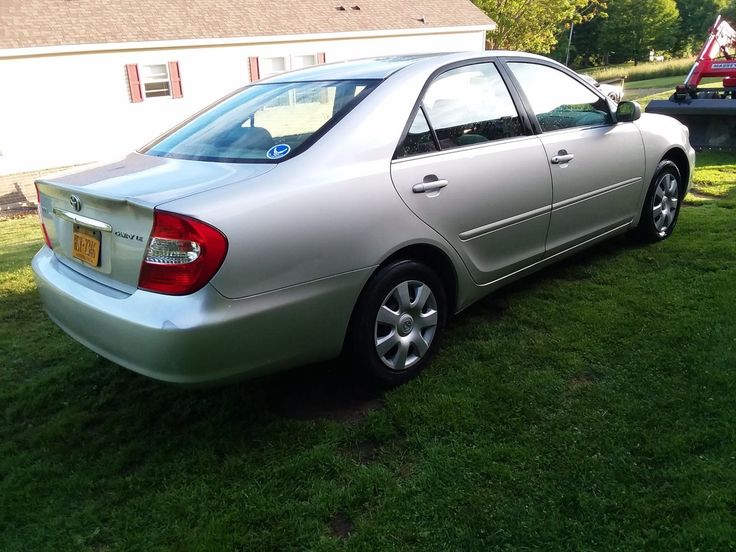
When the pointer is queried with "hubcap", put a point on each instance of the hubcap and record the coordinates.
(664, 205)
(405, 325)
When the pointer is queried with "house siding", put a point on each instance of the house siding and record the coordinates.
(72, 109)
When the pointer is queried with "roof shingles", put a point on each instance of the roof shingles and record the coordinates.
(36, 23)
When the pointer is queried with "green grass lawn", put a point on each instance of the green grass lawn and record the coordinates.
(589, 407)
(662, 88)
(642, 71)
(662, 82)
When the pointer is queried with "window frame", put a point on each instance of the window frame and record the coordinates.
(144, 81)
(519, 105)
(565, 71)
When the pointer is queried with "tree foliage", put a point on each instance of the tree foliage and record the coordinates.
(729, 12)
(585, 49)
(533, 25)
(697, 16)
(634, 27)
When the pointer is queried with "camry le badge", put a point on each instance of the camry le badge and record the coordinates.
(75, 202)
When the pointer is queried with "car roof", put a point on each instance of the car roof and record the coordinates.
(381, 67)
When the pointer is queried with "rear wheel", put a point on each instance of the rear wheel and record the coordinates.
(398, 322)
(662, 204)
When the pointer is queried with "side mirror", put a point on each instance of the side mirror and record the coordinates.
(626, 112)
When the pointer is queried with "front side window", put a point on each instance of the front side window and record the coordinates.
(558, 100)
(265, 122)
(155, 80)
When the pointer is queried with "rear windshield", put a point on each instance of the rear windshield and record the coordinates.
(264, 122)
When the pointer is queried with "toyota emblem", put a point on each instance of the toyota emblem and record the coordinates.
(75, 202)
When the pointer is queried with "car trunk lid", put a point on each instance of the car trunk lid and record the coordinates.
(98, 221)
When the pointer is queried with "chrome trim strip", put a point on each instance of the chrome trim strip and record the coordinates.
(601, 191)
(84, 221)
(498, 225)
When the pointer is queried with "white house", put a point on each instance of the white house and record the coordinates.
(88, 80)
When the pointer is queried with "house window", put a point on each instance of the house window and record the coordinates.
(297, 62)
(273, 66)
(155, 80)
(151, 81)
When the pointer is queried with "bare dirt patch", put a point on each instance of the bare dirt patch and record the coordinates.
(341, 526)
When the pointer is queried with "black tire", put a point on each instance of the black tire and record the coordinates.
(658, 208)
(366, 331)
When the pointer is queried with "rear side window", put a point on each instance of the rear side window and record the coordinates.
(263, 123)
(419, 138)
(464, 106)
(558, 100)
(471, 105)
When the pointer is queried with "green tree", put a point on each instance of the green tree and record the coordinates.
(697, 16)
(730, 12)
(585, 47)
(634, 27)
(533, 25)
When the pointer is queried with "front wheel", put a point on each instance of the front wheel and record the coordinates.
(662, 204)
(398, 322)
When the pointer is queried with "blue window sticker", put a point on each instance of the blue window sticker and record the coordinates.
(278, 151)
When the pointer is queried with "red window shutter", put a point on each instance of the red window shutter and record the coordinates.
(175, 79)
(134, 83)
(321, 57)
(255, 72)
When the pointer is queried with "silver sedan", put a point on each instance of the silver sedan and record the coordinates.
(348, 208)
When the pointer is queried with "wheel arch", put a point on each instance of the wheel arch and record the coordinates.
(432, 256)
(679, 158)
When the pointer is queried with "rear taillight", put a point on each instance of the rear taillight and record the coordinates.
(40, 218)
(182, 254)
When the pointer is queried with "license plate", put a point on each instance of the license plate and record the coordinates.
(86, 245)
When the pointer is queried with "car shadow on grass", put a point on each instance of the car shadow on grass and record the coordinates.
(580, 266)
(104, 394)
(332, 391)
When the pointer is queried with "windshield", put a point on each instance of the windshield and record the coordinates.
(264, 122)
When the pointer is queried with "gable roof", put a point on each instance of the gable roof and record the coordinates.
(38, 23)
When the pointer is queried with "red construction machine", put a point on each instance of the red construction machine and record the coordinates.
(709, 113)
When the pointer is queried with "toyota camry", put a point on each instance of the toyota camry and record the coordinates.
(348, 208)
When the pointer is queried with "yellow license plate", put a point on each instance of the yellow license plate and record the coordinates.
(86, 247)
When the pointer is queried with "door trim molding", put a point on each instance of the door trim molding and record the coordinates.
(608, 189)
(547, 260)
(500, 224)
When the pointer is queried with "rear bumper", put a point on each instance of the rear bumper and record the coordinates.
(202, 337)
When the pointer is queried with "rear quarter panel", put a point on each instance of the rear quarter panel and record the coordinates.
(330, 210)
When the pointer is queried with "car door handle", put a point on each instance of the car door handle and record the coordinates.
(562, 157)
(430, 186)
